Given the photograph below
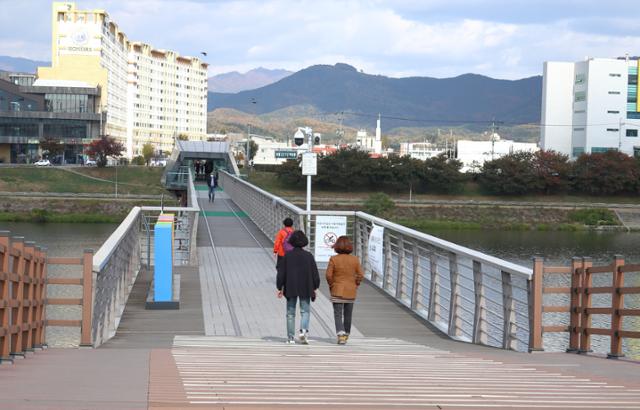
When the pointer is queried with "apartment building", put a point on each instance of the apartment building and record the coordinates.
(148, 95)
(591, 106)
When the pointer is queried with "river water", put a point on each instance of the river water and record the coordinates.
(516, 246)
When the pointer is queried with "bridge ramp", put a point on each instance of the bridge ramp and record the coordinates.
(237, 276)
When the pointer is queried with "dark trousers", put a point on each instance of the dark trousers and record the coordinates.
(342, 314)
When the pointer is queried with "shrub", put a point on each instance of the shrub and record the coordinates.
(606, 173)
(139, 160)
(379, 204)
(594, 216)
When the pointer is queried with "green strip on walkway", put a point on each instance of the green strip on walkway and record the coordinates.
(206, 188)
(222, 213)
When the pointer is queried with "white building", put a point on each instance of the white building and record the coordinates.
(148, 95)
(473, 154)
(370, 144)
(420, 150)
(272, 152)
(591, 106)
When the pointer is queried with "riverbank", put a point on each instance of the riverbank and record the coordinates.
(130, 180)
(70, 210)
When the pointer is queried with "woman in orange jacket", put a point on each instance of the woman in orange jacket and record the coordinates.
(344, 275)
(278, 243)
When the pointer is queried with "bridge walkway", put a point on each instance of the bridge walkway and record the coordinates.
(202, 357)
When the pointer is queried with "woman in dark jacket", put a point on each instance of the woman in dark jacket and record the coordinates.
(298, 278)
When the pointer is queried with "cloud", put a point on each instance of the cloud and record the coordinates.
(504, 39)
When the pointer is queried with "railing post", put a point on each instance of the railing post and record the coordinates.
(575, 312)
(28, 321)
(87, 299)
(453, 299)
(40, 296)
(587, 283)
(416, 283)
(509, 311)
(434, 291)
(388, 259)
(402, 267)
(535, 305)
(617, 303)
(17, 293)
(478, 320)
(5, 297)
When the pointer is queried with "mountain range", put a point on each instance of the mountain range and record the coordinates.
(234, 81)
(19, 64)
(404, 102)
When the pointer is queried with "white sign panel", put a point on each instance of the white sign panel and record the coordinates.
(309, 163)
(328, 230)
(375, 254)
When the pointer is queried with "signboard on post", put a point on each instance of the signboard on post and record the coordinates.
(287, 153)
(375, 249)
(328, 230)
(309, 163)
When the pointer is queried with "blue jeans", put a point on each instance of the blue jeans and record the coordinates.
(305, 308)
(212, 193)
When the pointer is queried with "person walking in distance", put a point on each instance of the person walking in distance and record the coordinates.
(298, 279)
(281, 240)
(344, 275)
(212, 187)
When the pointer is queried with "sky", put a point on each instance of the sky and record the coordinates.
(507, 39)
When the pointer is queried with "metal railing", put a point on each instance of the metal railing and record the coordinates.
(469, 295)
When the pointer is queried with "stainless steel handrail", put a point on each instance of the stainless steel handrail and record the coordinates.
(449, 285)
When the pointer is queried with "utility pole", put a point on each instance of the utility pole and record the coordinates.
(246, 157)
(494, 128)
(620, 124)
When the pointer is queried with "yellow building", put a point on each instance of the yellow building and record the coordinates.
(147, 95)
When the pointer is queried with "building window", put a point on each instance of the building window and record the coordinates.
(614, 92)
(578, 129)
(580, 96)
(636, 152)
(580, 78)
(613, 129)
(577, 151)
(631, 133)
(632, 79)
(632, 115)
(579, 112)
(599, 150)
(613, 112)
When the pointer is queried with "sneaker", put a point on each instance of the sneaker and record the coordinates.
(342, 339)
(304, 334)
(290, 341)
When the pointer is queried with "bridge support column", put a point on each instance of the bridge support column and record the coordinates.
(454, 330)
(535, 306)
(434, 291)
(509, 311)
(479, 325)
(416, 285)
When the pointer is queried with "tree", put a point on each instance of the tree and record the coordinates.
(253, 149)
(442, 174)
(147, 152)
(553, 170)
(104, 147)
(606, 173)
(512, 174)
(183, 137)
(52, 146)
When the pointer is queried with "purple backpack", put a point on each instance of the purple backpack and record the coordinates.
(286, 245)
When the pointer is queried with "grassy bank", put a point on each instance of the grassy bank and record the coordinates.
(131, 180)
(70, 210)
(430, 225)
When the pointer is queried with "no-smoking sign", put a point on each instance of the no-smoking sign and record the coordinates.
(330, 239)
(328, 229)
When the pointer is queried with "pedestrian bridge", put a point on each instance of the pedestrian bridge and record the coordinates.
(440, 326)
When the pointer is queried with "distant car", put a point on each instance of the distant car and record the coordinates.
(43, 163)
(90, 163)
